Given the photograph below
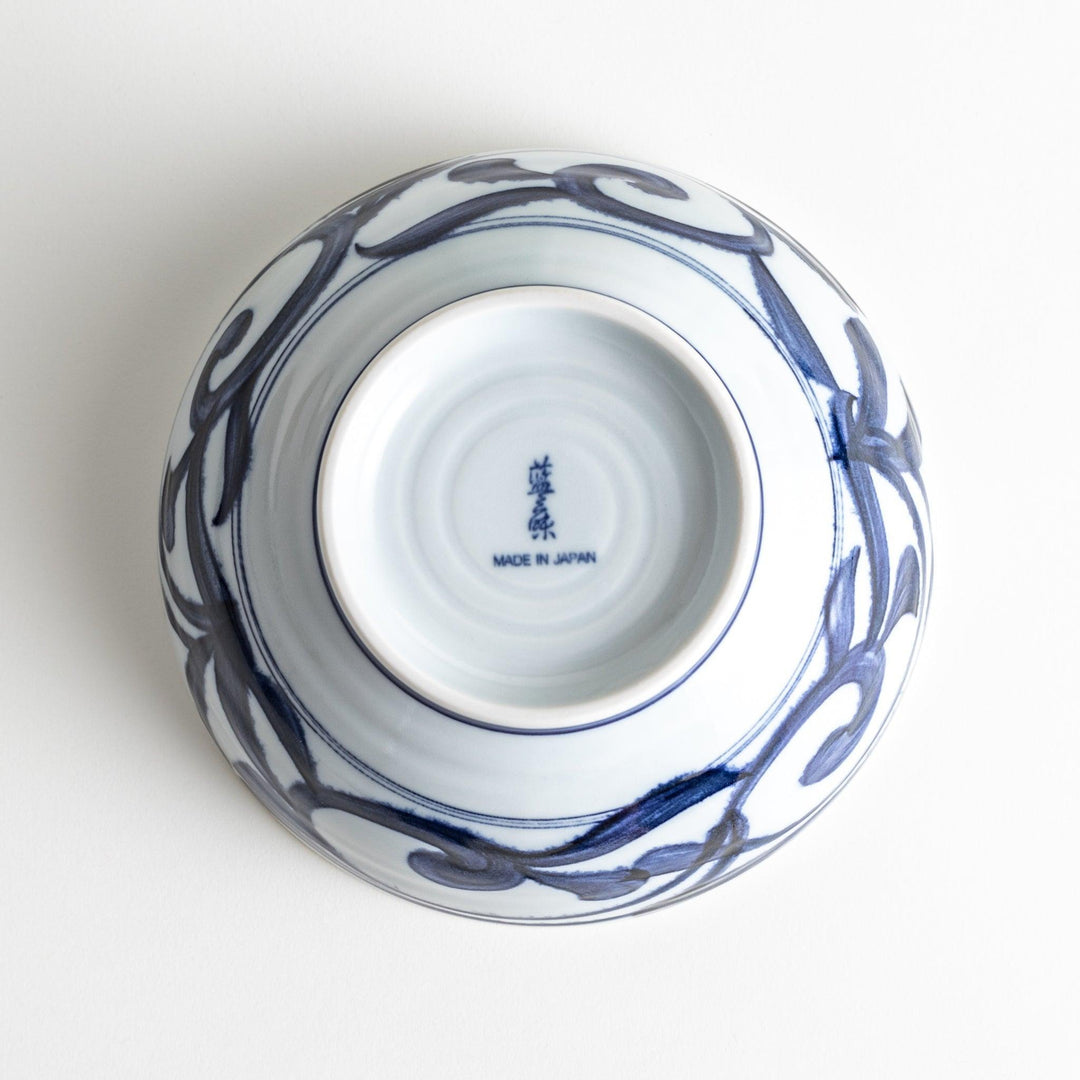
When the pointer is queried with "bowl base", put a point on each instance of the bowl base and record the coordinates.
(538, 508)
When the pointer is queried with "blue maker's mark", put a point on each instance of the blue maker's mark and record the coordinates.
(541, 523)
(527, 558)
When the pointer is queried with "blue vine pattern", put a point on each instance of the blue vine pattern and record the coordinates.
(210, 630)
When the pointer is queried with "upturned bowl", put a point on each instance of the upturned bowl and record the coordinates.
(543, 536)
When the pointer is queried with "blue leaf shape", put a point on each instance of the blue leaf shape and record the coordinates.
(789, 326)
(832, 753)
(493, 170)
(646, 182)
(906, 591)
(595, 884)
(866, 668)
(873, 388)
(668, 860)
(482, 875)
(909, 446)
(840, 609)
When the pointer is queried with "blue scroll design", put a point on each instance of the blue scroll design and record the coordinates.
(219, 655)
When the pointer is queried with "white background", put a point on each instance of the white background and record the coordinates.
(154, 921)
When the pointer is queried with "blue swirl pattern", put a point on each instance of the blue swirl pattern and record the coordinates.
(204, 610)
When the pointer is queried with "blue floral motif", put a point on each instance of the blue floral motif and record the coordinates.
(218, 653)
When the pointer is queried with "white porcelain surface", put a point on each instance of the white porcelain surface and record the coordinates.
(435, 393)
(539, 508)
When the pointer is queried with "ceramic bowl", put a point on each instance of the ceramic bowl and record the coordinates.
(543, 536)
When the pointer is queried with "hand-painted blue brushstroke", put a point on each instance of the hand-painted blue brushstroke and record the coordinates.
(218, 653)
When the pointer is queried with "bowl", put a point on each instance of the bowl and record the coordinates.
(543, 536)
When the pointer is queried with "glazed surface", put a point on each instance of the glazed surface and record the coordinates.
(568, 825)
